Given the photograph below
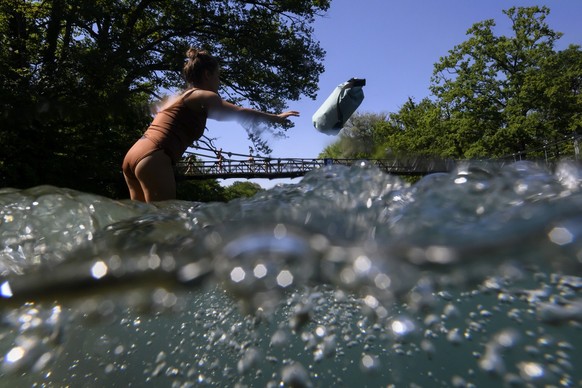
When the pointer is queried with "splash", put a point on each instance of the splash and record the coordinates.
(473, 274)
(261, 133)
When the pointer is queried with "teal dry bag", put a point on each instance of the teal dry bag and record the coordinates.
(339, 106)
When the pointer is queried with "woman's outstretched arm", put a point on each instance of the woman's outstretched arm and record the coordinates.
(221, 110)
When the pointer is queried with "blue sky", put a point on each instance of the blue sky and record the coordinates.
(394, 46)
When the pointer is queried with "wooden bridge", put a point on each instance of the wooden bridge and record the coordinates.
(273, 168)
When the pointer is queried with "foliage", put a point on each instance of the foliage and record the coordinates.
(241, 190)
(420, 129)
(493, 96)
(358, 139)
(211, 191)
(200, 191)
(503, 95)
(77, 76)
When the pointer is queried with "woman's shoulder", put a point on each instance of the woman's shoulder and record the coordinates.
(200, 98)
(200, 93)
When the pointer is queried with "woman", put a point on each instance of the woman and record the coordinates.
(148, 165)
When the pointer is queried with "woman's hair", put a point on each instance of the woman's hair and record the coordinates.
(198, 62)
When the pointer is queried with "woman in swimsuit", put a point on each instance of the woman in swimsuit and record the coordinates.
(148, 165)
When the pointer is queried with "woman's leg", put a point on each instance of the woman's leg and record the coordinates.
(156, 177)
(135, 190)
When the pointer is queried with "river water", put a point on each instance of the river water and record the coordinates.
(350, 277)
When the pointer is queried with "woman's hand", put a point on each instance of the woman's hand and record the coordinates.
(282, 117)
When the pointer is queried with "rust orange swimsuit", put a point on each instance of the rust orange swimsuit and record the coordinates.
(173, 130)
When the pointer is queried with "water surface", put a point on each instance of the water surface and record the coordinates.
(350, 277)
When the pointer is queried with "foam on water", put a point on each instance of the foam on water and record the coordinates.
(350, 277)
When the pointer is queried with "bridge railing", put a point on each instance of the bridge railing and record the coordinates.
(192, 168)
(232, 168)
(410, 166)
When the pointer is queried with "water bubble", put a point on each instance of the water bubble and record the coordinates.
(192, 272)
(369, 363)
(507, 338)
(302, 313)
(237, 274)
(5, 290)
(320, 331)
(260, 271)
(249, 360)
(161, 357)
(326, 348)
(99, 269)
(402, 328)
(561, 236)
(285, 278)
(557, 314)
(30, 353)
(371, 301)
(362, 264)
(531, 371)
(451, 311)
(279, 339)
(382, 281)
(164, 299)
(15, 354)
(295, 375)
(454, 336)
(259, 264)
(492, 361)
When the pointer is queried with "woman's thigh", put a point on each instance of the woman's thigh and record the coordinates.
(156, 176)
(135, 190)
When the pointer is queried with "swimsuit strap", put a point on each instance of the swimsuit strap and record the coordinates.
(187, 93)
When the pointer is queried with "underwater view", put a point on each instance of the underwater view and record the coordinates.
(348, 278)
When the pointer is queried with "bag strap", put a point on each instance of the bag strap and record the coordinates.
(340, 114)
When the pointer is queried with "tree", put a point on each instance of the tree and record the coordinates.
(241, 190)
(502, 95)
(360, 138)
(418, 130)
(201, 191)
(77, 76)
(556, 103)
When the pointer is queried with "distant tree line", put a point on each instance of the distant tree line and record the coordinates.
(78, 77)
(492, 97)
